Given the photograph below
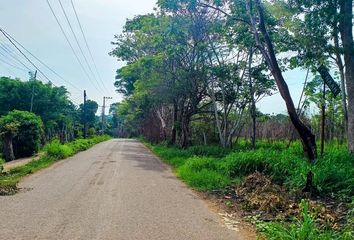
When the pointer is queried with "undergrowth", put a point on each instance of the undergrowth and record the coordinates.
(304, 228)
(52, 152)
(333, 173)
(208, 168)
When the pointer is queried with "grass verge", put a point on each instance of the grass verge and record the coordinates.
(53, 152)
(213, 169)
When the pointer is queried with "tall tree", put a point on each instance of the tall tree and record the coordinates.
(346, 31)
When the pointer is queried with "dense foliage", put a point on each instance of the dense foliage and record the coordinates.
(24, 130)
(53, 116)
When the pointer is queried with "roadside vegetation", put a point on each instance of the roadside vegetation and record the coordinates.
(196, 71)
(51, 153)
(40, 119)
(266, 183)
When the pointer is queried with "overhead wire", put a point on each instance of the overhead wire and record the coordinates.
(87, 45)
(9, 70)
(10, 54)
(77, 42)
(26, 57)
(10, 64)
(44, 64)
(69, 43)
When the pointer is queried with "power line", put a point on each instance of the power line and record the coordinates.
(9, 70)
(11, 65)
(2, 46)
(24, 55)
(44, 64)
(68, 41)
(86, 43)
(77, 42)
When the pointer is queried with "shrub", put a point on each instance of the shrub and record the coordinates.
(57, 150)
(24, 129)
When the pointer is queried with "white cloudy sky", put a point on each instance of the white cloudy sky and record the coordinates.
(32, 24)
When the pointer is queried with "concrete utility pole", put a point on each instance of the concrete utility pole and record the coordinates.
(33, 77)
(103, 112)
(85, 115)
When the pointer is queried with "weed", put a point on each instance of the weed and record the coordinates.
(303, 229)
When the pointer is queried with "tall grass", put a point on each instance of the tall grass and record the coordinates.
(212, 168)
(333, 173)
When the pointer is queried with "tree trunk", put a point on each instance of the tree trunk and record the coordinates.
(253, 102)
(267, 49)
(184, 139)
(174, 125)
(342, 78)
(346, 31)
(307, 137)
(8, 148)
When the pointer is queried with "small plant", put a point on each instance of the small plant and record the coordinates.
(303, 229)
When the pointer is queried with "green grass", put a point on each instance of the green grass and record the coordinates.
(213, 168)
(2, 161)
(304, 228)
(53, 152)
(333, 173)
(202, 173)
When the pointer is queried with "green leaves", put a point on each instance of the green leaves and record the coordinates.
(25, 128)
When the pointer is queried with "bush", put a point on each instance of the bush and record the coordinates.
(57, 150)
(25, 129)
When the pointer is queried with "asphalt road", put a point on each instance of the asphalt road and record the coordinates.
(115, 190)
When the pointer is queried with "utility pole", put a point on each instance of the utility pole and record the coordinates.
(85, 115)
(103, 113)
(33, 77)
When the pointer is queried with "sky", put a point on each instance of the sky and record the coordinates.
(32, 24)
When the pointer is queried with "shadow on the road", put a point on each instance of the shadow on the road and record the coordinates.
(145, 159)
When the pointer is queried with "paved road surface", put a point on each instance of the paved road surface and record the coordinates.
(116, 190)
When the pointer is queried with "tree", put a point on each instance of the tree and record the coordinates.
(88, 116)
(21, 133)
(346, 32)
(51, 103)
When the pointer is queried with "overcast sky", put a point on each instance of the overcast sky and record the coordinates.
(32, 24)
